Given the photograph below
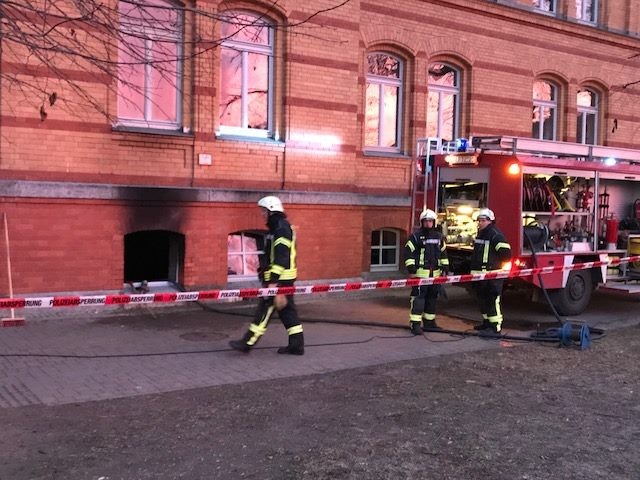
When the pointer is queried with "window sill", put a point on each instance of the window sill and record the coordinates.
(151, 131)
(379, 154)
(545, 12)
(384, 268)
(247, 138)
(248, 281)
(588, 23)
(378, 275)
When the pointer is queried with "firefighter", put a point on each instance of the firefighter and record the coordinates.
(278, 269)
(491, 251)
(425, 256)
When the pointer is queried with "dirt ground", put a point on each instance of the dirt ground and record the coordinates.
(533, 411)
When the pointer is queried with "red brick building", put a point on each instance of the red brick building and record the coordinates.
(151, 170)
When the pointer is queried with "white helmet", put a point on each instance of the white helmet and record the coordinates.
(486, 213)
(428, 215)
(271, 203)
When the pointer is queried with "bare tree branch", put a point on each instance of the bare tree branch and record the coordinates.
(75, 54)
(630, 84)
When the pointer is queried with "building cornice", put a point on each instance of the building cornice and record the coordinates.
(141, 193)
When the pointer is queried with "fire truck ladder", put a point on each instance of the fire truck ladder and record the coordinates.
(422, 182)
(550, 148)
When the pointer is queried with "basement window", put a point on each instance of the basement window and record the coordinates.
(153, 256)
(243, 258)
(385, 245)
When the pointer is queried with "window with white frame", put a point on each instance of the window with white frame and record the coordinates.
(544, 5)
(443, 101)
(149, 64)
(545, 107)
(587, 129)
(384, 250)
(246, 75)
(383, 102)
(587, 10)
(243, 255)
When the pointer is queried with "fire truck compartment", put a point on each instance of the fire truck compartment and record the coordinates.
(557, 203)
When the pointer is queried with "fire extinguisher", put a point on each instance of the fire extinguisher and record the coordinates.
(636, 209)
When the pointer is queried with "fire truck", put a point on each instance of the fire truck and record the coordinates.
(557, 203)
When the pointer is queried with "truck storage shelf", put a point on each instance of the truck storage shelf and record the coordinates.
(557, 212)
(619, 278)
(630, 289)
(460, 246)
(527, 252)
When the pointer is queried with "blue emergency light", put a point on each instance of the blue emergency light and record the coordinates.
(461, 144)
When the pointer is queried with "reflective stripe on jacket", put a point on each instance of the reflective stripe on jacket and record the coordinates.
(426, 252)
(281, 250)
(490, 250)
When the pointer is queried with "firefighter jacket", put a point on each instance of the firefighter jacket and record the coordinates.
(279, 261)
(490, 250)
(425, 253)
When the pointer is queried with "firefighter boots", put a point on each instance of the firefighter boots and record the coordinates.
(483, 326)
(239, 345)
(415, 328)
(296, 345)
(291, 351)
(430, 326)
(490, 330)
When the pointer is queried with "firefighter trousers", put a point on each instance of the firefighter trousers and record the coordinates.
(288, 315)
(489, 293)
(423, 302)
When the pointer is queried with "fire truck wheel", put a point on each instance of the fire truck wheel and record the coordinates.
(575, 296)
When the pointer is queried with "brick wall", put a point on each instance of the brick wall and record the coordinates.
(78, 245)
(319, 111)
(319, 89)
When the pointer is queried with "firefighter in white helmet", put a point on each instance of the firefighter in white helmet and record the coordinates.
(491, 251)
(278, 269)
(425, 256)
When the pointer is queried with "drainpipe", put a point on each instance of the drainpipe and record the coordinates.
(287, 89)
(194, 104)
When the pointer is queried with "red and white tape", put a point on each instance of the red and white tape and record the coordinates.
(177, 297)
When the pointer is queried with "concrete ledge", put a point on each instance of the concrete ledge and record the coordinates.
(72, 190)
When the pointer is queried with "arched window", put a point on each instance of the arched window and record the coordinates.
(545, 5)
(243, 255)
(383, 110)
(587, 10)
(246, 75)
(443, 101)
(587, 129)
(150, 64)
(545, 108)
(384, 250)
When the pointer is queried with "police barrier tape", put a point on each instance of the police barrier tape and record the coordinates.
(176, 297)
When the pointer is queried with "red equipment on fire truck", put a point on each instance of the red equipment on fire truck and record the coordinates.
(557, 203)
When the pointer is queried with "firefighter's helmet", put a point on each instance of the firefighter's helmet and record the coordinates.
(486, 213)
(428, 215)
(271, 203)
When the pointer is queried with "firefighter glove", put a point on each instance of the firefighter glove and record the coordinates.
(280, 301)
